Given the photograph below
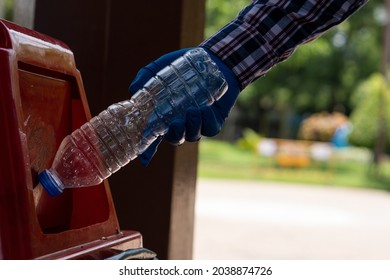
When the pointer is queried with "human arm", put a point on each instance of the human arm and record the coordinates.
(264, 34)
(267, 32)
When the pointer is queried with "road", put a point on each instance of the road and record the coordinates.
(268, 220)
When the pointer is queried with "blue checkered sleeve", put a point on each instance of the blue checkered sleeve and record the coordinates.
(268, 31)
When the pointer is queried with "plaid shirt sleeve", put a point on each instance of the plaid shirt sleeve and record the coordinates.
(268, 31)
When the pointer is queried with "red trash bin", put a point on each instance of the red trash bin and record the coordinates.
(42, 101)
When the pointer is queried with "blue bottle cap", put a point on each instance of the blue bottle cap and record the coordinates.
(51, 183)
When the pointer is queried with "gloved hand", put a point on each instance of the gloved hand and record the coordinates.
(205, 120)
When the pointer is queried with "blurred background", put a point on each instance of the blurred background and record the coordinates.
(325, 109)
(301, 168)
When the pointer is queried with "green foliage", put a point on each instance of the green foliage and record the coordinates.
(220, 12)
(249, 140)
(365, 117)
(8, 9)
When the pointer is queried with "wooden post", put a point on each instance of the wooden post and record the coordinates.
(111, 41)
(23, 12)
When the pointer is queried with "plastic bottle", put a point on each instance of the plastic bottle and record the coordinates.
(125, 129)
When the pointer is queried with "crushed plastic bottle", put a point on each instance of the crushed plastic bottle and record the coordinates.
(126, 129)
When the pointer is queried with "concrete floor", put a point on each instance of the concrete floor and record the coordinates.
(268, 220)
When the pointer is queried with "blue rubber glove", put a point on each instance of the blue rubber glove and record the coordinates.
(205, 120)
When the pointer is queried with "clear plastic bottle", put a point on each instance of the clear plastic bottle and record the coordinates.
(126, 129)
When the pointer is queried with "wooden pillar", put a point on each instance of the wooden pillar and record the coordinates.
(23, 13)
(111, 41)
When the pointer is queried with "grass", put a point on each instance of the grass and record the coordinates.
(219, 159)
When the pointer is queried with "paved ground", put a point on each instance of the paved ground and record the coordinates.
(267, 220)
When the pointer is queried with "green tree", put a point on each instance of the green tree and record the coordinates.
(365, 117)
(220, 12)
